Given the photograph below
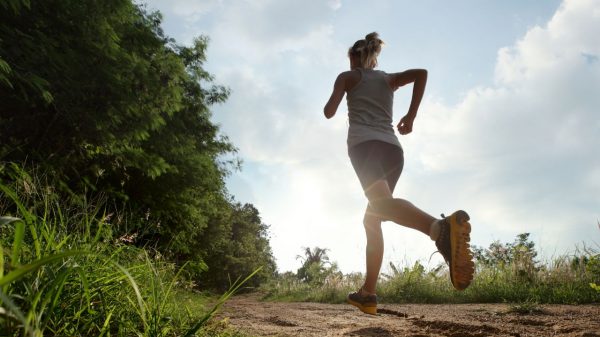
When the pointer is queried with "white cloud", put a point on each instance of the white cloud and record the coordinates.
(335, 4)
(193, 10)
(520, 155)
(259, 31)
(524, 153)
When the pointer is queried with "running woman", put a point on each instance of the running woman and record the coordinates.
(377, 158)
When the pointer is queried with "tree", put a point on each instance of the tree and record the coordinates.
(96, 95)
(499, 254)
(314, 267)
(237, 249)
(518, 255)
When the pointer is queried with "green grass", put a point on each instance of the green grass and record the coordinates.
(561, 282)
(62, 273)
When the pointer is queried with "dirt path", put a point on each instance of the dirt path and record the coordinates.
(258, 318)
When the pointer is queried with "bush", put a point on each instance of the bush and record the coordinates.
(504, 273)
(63, 273)
(101, 102)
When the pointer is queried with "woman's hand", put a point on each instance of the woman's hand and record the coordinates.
(406, 124)
(419, 77)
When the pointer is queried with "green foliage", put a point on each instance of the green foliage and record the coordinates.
(316, 268)
(513, 277)
(316, 280)
(237, 247)
(519, 255)
(288, 287)
(112, 118)
(100, 102)
(232, 290)
(15, 5)
(104, 101)
(592, 265)
(414, 284)
(63, 274)
(498, 254)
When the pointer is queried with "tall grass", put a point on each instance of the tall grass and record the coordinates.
(565, 280)
(62, 273)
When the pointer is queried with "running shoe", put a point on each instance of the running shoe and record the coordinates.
(453, 244)
(366, 304)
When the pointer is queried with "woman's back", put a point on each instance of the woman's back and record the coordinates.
(370, 109)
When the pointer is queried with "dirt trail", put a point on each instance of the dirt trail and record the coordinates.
(247, 313)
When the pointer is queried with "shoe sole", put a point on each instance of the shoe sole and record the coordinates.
(371, 310)
(462, 267)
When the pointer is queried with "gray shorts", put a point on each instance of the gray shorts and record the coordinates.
(376, 160)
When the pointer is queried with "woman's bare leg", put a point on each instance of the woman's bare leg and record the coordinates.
(401, 211)
(383, 206)
(374, 250)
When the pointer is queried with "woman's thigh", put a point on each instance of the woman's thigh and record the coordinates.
(376, 161)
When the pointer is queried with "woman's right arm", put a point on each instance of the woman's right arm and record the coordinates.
(408, 76)
(419, 78)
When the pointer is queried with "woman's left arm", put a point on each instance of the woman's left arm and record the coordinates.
(339, 89)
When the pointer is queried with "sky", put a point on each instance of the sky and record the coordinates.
(508, 129)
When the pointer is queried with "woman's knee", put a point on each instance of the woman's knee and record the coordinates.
(382, 208)
(378, 190)
(371, 221)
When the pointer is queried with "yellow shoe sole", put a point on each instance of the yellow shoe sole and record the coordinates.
(371, 310)
(462, 267)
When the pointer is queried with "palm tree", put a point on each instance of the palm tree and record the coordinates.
(312, 257)
(315, 255)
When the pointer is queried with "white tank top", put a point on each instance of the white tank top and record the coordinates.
(370, 109)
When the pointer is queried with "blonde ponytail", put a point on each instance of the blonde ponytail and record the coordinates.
(368, 50)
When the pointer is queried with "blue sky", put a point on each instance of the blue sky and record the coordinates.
(509, 128)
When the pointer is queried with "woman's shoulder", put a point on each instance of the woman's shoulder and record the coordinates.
(349, 79)
(354, 73)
